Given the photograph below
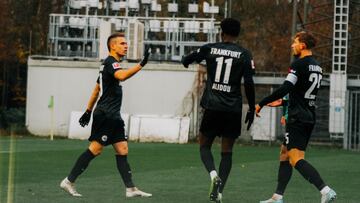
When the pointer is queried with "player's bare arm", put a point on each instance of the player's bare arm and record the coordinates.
(277, 94)
(124, 74)
(93, 98)
(85, 118)
(275, 103)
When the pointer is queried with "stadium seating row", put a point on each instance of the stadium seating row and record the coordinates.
(154, 25)
(134, 4)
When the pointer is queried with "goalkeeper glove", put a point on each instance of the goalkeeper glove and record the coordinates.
(144, 59)
(249, 119)
(85, 118)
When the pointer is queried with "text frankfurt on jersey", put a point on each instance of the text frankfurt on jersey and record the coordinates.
(315, 68)
(221, 87)
(225, 52)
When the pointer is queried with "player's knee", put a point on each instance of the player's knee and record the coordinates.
(226, 148)
(283, 154)
(205, 147)
(295, 155)
(293, 161)
(95, 148)
(123, 150)
(284, 157)
(226, 156)
(95, 151)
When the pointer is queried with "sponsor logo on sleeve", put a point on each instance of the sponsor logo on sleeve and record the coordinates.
(116, 65)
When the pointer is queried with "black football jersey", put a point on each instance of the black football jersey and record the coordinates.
(226, 64)
(305, 74)
(110, 88)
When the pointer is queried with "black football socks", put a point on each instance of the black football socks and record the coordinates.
(310, 173)
(80, 165)
(207, 158)
(224, 168)
(124, 170)
(284, 175)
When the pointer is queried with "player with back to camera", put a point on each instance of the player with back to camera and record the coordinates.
(302, 84)
(226, 63)
(108, 126)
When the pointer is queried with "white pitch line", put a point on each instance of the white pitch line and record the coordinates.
(10, 192)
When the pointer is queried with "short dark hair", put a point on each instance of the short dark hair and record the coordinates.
(230, 27)
(307, 38)
(112, 36)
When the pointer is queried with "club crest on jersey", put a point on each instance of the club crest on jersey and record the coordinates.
(104, 138)
(116, 65)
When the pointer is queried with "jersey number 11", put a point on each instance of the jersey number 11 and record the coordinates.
(220, 62)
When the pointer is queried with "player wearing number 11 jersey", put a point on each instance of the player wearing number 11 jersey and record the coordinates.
(226, 63)
(302, 84)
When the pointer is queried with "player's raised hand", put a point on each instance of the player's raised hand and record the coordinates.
(183, 62)
(85, 118)
(145, 58)
(249, 119)
(283, 120)
(257, 110)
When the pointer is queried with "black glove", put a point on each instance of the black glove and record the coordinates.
(183, 62)
(144, 59)
(85, 118)
(249, 118)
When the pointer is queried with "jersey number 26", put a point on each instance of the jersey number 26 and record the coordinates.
(315, 78)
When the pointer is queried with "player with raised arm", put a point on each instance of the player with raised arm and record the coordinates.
(226, 63)
(108, 126)
(302, 84)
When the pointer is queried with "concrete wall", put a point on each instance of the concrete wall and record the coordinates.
(157, 89)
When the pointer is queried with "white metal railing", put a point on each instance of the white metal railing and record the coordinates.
(74, 35)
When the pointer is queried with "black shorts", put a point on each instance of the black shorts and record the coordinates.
(107, 129)
(220, 123)
(297, 135)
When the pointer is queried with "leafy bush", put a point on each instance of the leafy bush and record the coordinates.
(13, 118)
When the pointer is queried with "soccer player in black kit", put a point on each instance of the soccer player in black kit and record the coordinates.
(108, 126)
(226, 63)
(302, 84)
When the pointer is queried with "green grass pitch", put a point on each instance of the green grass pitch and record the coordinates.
(172, 172)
